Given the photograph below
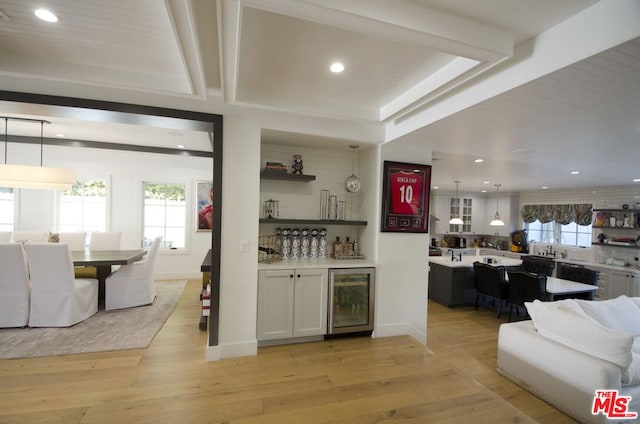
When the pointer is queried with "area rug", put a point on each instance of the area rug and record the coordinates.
(131, 328)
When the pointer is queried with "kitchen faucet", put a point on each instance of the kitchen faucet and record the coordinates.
(453, 259)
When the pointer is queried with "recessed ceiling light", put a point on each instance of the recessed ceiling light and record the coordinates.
(435, 187)
(575, 172)
(60, 135)
(486, 182)
(336, 67)
(484, 191)
(479, 160)
(46, 15)
(180, 146)
(636, 180)
(544, 187)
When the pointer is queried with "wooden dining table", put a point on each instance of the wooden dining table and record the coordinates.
(104, 260)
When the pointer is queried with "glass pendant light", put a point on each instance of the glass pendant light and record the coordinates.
(457, 220)
(497, 222)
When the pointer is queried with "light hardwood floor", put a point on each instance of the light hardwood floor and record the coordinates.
(350, 380)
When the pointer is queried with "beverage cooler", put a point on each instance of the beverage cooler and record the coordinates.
(351, 300)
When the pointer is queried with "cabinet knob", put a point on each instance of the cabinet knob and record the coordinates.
(298, 275)
(291, 276)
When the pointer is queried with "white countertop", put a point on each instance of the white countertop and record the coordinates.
(317, 263)
(467, 261)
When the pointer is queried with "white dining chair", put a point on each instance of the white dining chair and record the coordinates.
(132, 285)
(75, 240)
(105, 240)
(57, 298)
(5, 236)
(15, 290)
(32, 236)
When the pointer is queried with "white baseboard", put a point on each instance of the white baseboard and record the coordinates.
(400, 329)
(232, 350)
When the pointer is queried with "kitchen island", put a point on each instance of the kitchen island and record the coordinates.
(451, 282)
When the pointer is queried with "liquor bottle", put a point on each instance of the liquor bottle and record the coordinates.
(337, 248)
(322, 244)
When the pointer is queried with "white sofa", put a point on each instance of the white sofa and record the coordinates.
(571, 348)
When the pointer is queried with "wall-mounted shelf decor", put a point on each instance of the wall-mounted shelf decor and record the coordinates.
(286, 177)
(318, 222)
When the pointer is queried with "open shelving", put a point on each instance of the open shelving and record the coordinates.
(286, 177)
(318, 222)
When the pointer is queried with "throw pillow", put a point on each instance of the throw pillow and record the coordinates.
(561, 322)
(620, 314)
(54, 237)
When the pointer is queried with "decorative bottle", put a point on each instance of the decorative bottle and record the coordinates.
(322, 244)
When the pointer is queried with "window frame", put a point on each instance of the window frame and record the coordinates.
(163, 247)
(16, 202)
(107, 205)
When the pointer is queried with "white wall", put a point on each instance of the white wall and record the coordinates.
(402, 267)
(125, 172)
(239, 270)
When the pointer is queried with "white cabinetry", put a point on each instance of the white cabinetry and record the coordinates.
(472, 212)
(507, 206)
(621, 282)
(292, 303)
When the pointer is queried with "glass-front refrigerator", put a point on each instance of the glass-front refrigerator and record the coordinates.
(351, 300)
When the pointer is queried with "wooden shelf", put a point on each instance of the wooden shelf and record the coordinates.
(286, 177)
(615, 245)
(617, 210)
(318, 222)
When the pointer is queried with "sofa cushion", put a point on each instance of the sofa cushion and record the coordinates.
(562, 322)
(631, 376)
(621, 313)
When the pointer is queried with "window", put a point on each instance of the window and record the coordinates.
(6, 208)
(84, 207)
(165, 214)
(575, 235)
(551, 232)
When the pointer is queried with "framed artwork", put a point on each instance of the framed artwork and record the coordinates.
(405, 197)
(204, 205)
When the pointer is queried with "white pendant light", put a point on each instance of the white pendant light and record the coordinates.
(456, 220)
(497, 222)
(25, 176)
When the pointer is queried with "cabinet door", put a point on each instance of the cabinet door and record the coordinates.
(275, 304)
(619, 283)
(310, 302)
(440, 209)
(478, 216)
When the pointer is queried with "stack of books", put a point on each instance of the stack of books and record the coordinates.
(275, 167)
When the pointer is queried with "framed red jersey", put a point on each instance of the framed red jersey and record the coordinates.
(405, 197)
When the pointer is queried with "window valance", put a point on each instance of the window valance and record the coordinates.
(580, 213)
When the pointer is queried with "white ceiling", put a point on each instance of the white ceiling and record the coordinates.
(403, 58)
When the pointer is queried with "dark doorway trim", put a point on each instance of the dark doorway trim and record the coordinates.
(97, 110)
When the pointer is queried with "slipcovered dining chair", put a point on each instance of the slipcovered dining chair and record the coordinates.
(105, 240)
(75, 240)
(132, 285)
(99, 241)
(490, 281)
(15, 290)
(57, 298)
(32, 236)
(524, 287)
